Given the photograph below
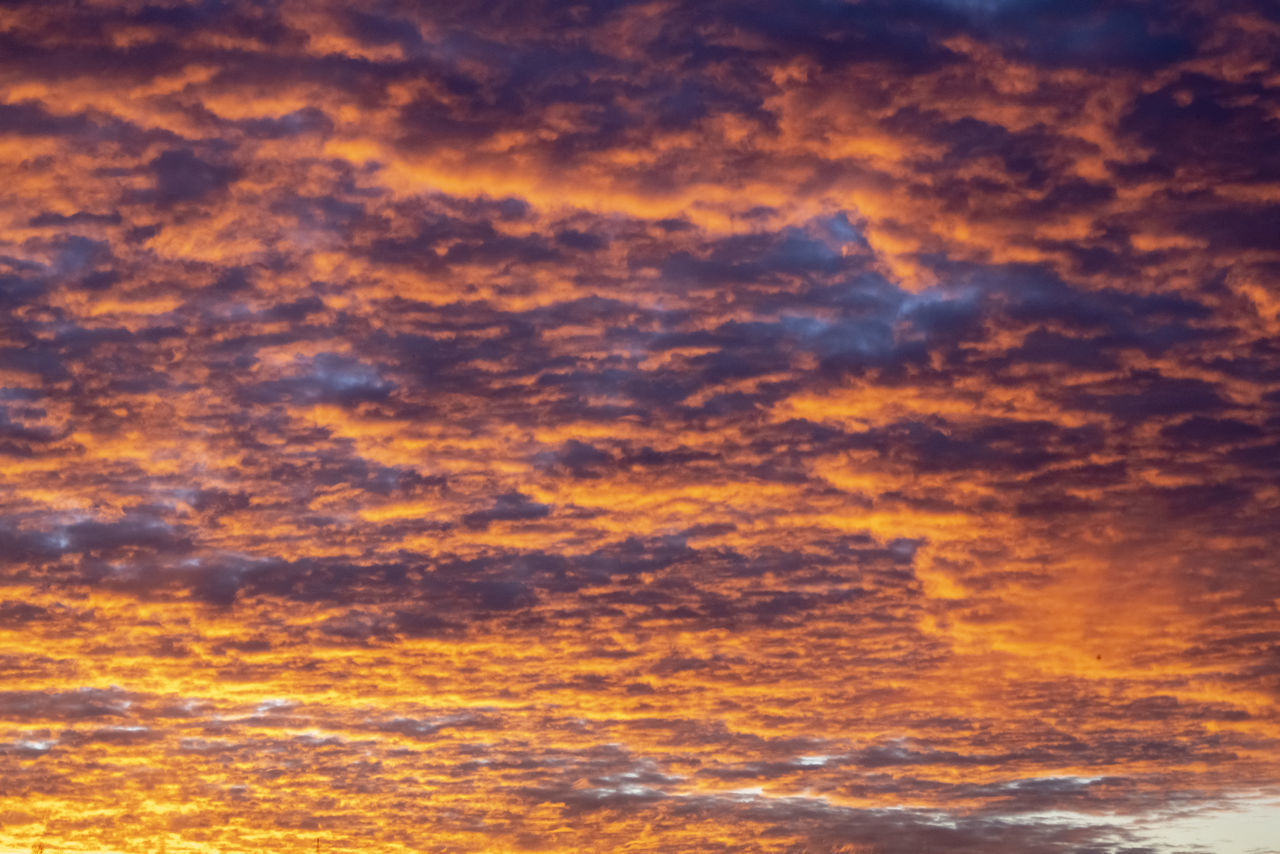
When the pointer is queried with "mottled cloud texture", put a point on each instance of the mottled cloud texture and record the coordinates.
(718, 426)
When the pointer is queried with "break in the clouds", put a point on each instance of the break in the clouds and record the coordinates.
(640, 426)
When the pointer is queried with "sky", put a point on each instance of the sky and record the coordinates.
(772, 426)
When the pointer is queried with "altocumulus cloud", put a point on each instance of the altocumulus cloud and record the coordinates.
(660, 426)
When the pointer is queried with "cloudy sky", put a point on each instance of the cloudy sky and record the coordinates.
(640, 426)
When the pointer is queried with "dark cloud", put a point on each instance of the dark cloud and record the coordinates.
(510, 507)
(181, 176)
(1221, 128)
(1121, 35)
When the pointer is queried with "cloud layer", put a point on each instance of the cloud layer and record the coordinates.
(637, 426)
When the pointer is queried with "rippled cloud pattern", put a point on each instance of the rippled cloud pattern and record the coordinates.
(640, 425)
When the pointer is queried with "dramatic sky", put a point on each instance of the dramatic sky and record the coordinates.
(658, 426)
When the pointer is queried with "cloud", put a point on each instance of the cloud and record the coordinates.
(710, 426)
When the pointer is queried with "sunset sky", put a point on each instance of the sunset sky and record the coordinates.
(773, 426)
